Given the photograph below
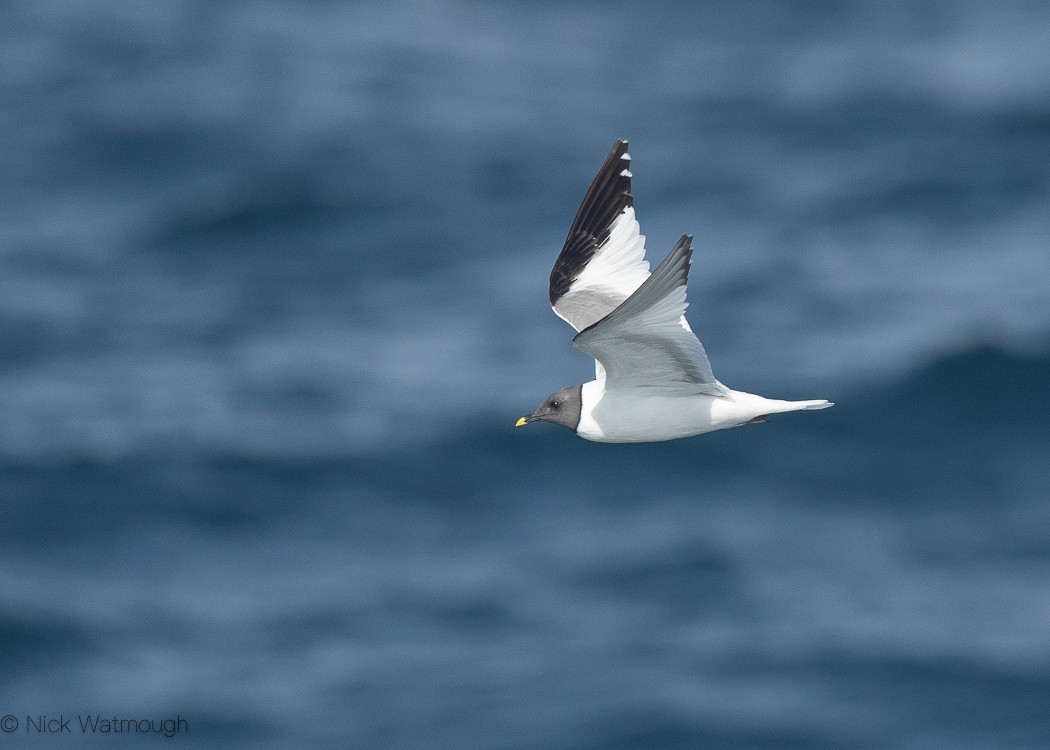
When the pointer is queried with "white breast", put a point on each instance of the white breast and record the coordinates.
(635, 415)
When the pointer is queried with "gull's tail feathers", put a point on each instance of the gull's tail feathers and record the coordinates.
(819, 403)
(767, 406)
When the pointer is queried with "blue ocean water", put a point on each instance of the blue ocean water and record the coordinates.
(273, 292)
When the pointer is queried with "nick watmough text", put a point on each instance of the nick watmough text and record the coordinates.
(92, 724)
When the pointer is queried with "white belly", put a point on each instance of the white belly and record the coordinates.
(637, 415)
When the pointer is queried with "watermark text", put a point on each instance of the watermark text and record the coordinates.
(91, 724)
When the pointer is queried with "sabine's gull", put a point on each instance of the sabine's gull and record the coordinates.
(652, 377)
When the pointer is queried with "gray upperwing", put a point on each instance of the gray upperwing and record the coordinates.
(645, 342)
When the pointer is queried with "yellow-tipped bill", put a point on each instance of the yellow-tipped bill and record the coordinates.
(521, 422)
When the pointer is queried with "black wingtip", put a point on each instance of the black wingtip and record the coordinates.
(608, 196)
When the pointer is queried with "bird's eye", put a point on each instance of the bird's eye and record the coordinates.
(555, 404)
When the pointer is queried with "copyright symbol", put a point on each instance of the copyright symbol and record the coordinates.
(9, 723)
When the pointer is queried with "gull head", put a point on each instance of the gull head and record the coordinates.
(561, 407)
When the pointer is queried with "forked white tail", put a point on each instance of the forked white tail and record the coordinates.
(814, 404)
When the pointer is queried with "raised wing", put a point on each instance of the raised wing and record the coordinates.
(603, 259)
(645, 342)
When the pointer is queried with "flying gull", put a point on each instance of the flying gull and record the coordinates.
(652, 377)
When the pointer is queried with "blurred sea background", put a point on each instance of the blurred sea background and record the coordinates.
(273, 292)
